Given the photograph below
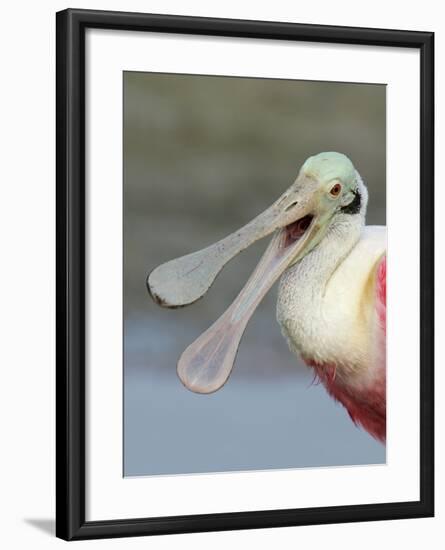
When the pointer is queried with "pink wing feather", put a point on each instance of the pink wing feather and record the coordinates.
(381, 292)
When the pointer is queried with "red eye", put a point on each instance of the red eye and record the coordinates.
(335, 191)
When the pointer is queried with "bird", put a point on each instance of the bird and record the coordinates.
(331, 303)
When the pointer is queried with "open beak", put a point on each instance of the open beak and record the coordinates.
(207, 363)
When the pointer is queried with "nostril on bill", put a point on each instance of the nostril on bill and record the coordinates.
(291, 205)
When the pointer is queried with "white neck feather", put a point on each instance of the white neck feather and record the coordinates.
(303, 285)
(301, 307)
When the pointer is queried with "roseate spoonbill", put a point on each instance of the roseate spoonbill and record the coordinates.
(332, 293)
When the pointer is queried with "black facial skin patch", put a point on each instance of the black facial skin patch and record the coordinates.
(354, 206)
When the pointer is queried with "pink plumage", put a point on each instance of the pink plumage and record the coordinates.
(381, 292)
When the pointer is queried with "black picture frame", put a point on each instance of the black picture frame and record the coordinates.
(70, 341)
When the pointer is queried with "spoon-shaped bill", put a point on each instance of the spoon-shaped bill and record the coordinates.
(207, 363)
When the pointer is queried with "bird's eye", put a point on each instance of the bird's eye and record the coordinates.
(335, 191)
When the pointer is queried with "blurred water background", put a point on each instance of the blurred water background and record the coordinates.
(202, 156)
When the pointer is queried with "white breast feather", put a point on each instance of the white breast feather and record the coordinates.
(331, 322)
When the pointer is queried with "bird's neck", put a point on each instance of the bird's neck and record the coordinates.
(305, 282)
(302, 287)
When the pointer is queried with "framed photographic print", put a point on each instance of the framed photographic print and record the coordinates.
(244, 274)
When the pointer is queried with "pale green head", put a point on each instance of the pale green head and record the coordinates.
(337, 186)
(326, 167)
(332, 191)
